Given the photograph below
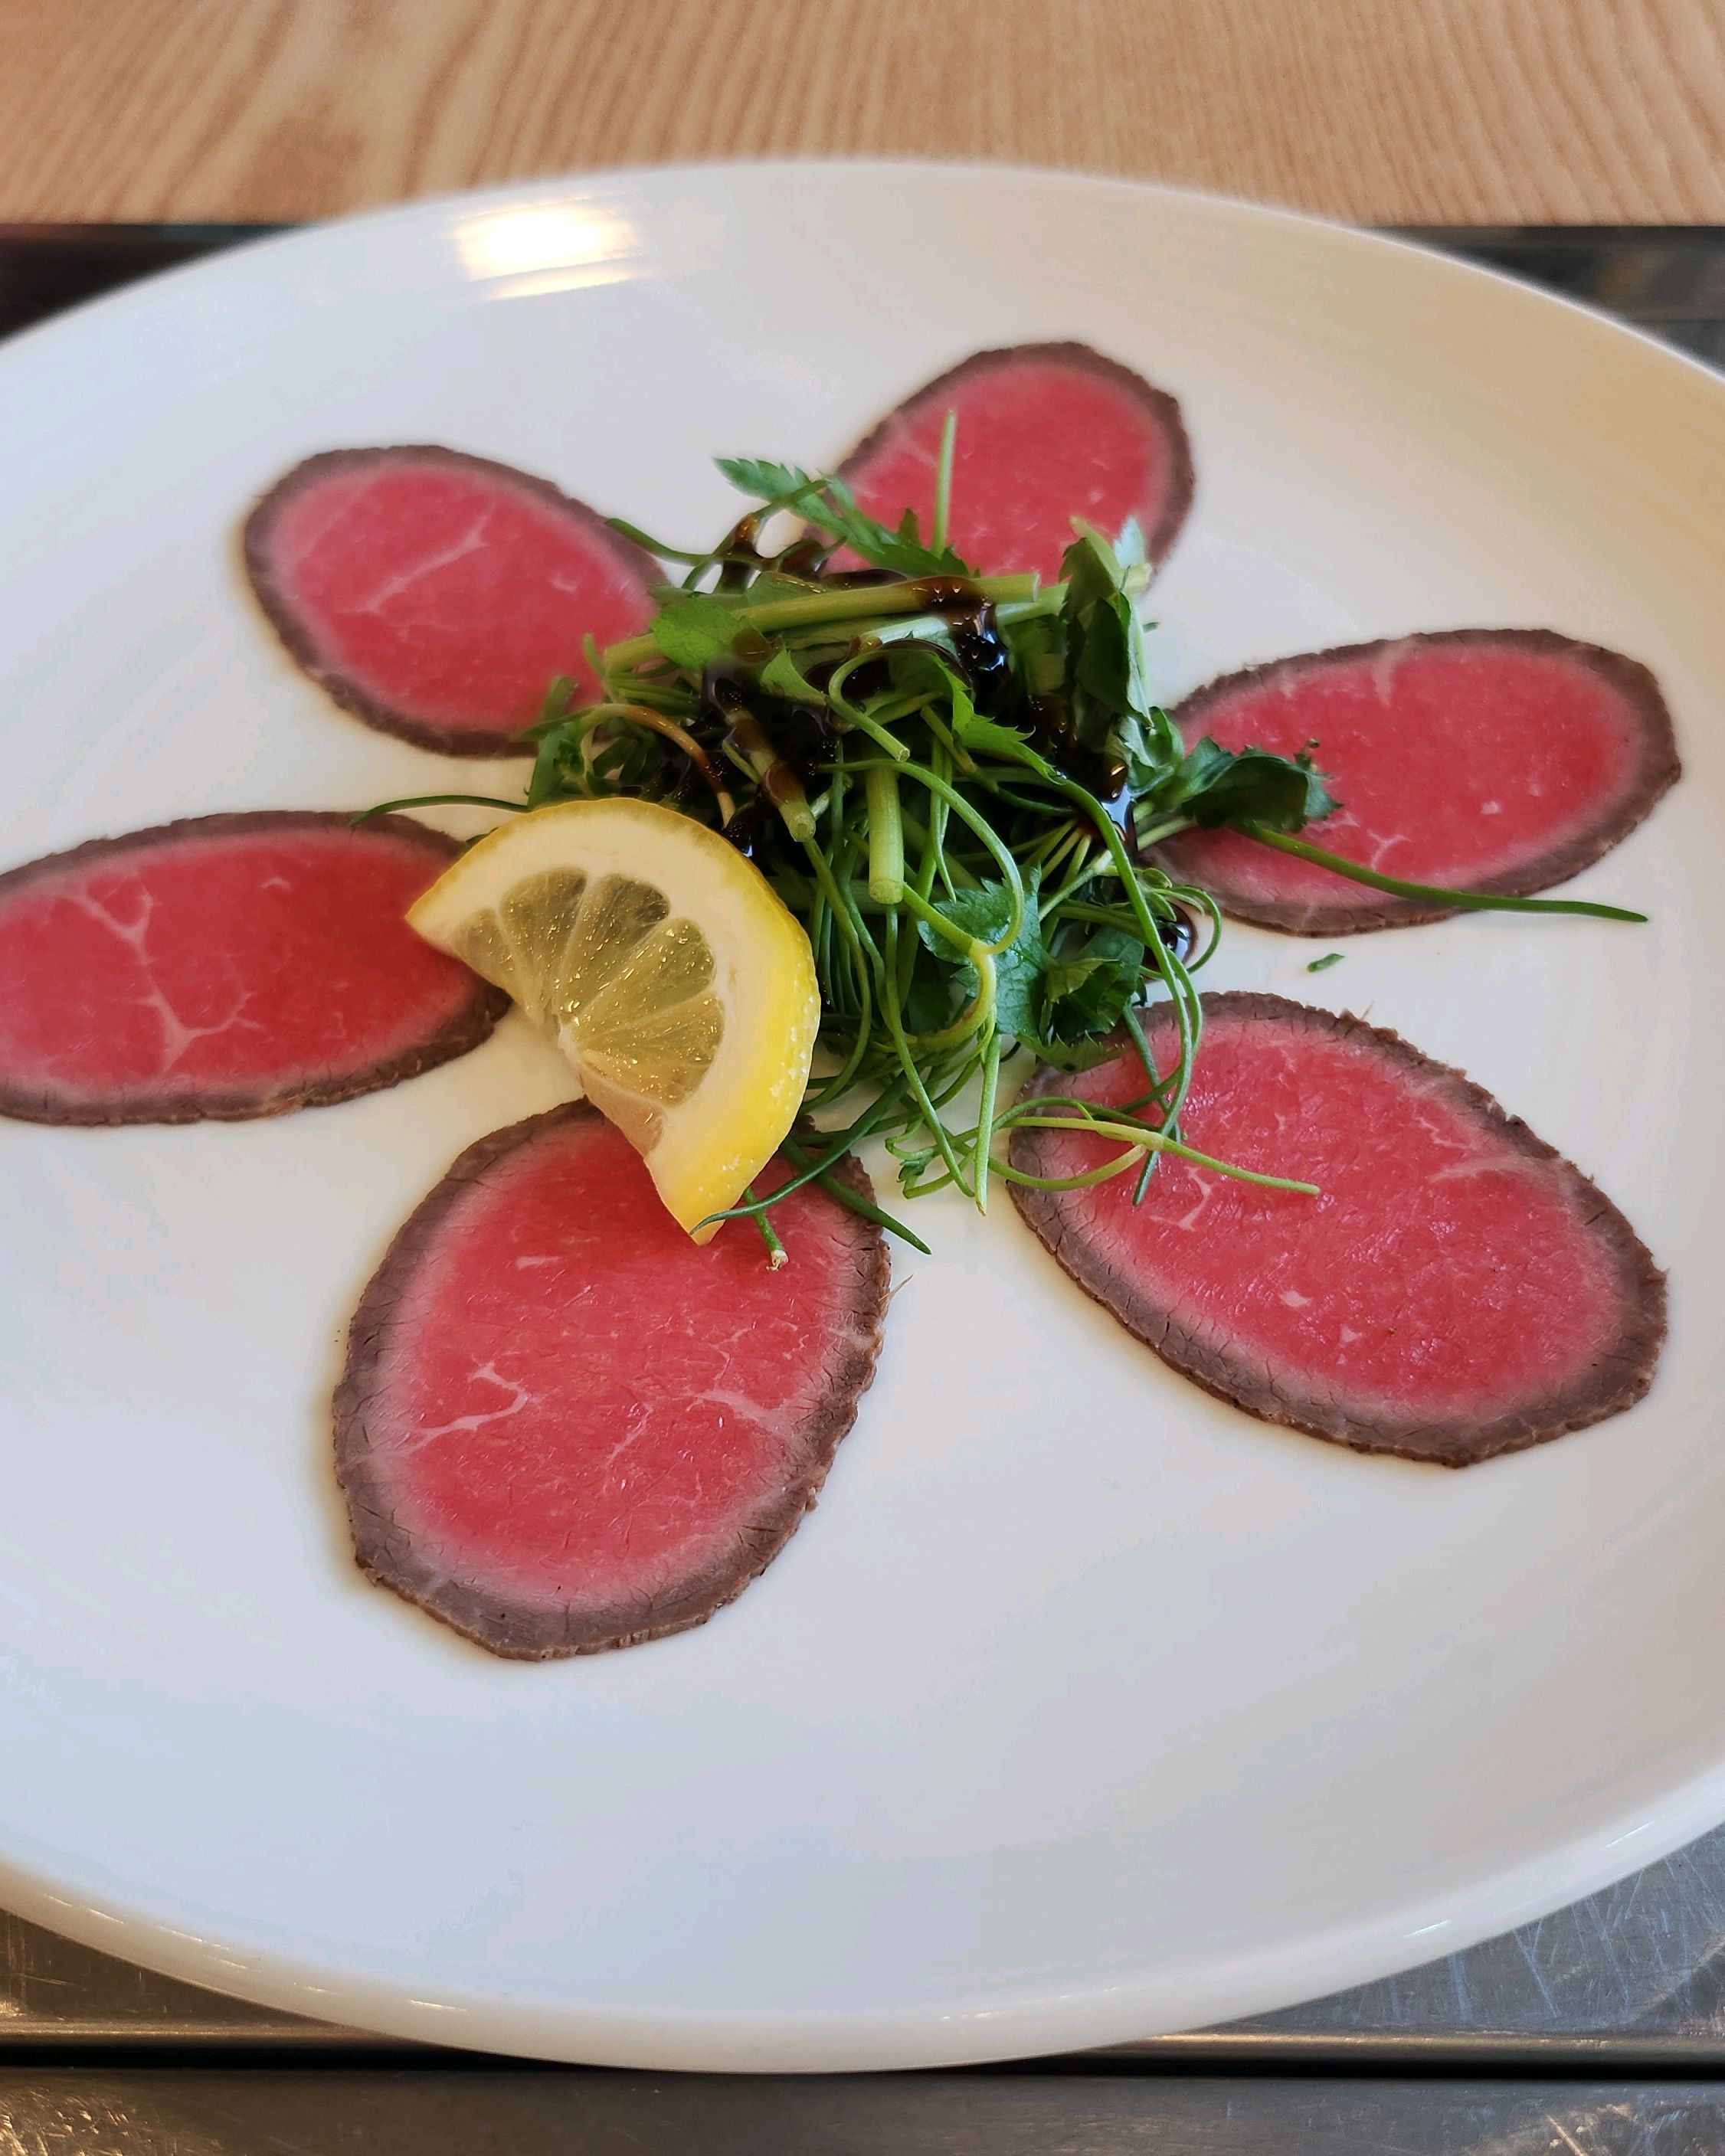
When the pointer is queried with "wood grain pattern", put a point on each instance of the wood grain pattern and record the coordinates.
(1452, 110)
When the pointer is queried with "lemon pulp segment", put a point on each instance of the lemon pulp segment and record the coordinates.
(678, 985)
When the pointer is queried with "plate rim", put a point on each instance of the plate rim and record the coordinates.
(499, 194)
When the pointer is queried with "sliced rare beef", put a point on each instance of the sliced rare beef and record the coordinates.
(1046, 432)
(435, 595)
(224, 968)
(1480, 759)
(564, 1427)
(1458, 1290)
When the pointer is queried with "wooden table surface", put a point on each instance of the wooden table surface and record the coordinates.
(1448, 110)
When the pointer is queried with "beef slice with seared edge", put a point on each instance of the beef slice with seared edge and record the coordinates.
(1457, 1289)
(1504, 760)
(225, 967)
(1046, 432)
(435, 595)
(562, 1426)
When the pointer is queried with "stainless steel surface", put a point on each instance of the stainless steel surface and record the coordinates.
(54, 1994)
(218, 2111)
(1630, 1982)
(1634, 1973)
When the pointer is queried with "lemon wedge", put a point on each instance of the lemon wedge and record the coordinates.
(679, 986)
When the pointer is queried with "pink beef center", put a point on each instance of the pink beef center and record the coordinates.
(1452, 765)
(1039, 444)
(221, 963)
(578, 1405)
(1439, 1272)
(450, 596)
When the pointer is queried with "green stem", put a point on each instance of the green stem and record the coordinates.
(658, 545)
(774, 776)
(1165, 830)
(852, 603)
(932, 866)
(1160, 1088)
(1106, 1174)
(853, 715)
(853, 1200)
(961, 939)
(983, 830)
(907, 1061)
(436, 801)
(865, 963)
(886, 836)
(1135, 1134)
(1470, 902)
(985, 1118)
(1102, 916)
(842, 1142)
(960, 757)
(944, 481)
(1087, 872)
(776, 1252)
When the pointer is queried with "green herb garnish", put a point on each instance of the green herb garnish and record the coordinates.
(954, 782)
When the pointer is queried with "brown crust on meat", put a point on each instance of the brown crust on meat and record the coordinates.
(1164, 411)
(1616, 1382)
(387, 1554)
(261, 572)
(466, 1029)
(1658, 770)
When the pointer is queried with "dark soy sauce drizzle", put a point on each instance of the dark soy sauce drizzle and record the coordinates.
(1096, 770)
(784, 743)
(794, 740)
(1177, 933)
(740, 555)
(970, 621)
(752, 828)
(852, 580)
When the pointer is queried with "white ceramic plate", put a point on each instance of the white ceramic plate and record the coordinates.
(1084, 1708)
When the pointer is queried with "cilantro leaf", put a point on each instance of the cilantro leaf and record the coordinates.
(931, 1001)
(692, 629)
(1105, 639)
(1149, 748)
(982, 913)
(988, 738)
(829, 504)
(1019, 969)
(1090, 569)
(1039, 644)
(765, 481)
(1087, 994)
(900, 550)
(1110, 668)
(920, 666)
(781, 677)
(1216, 786)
